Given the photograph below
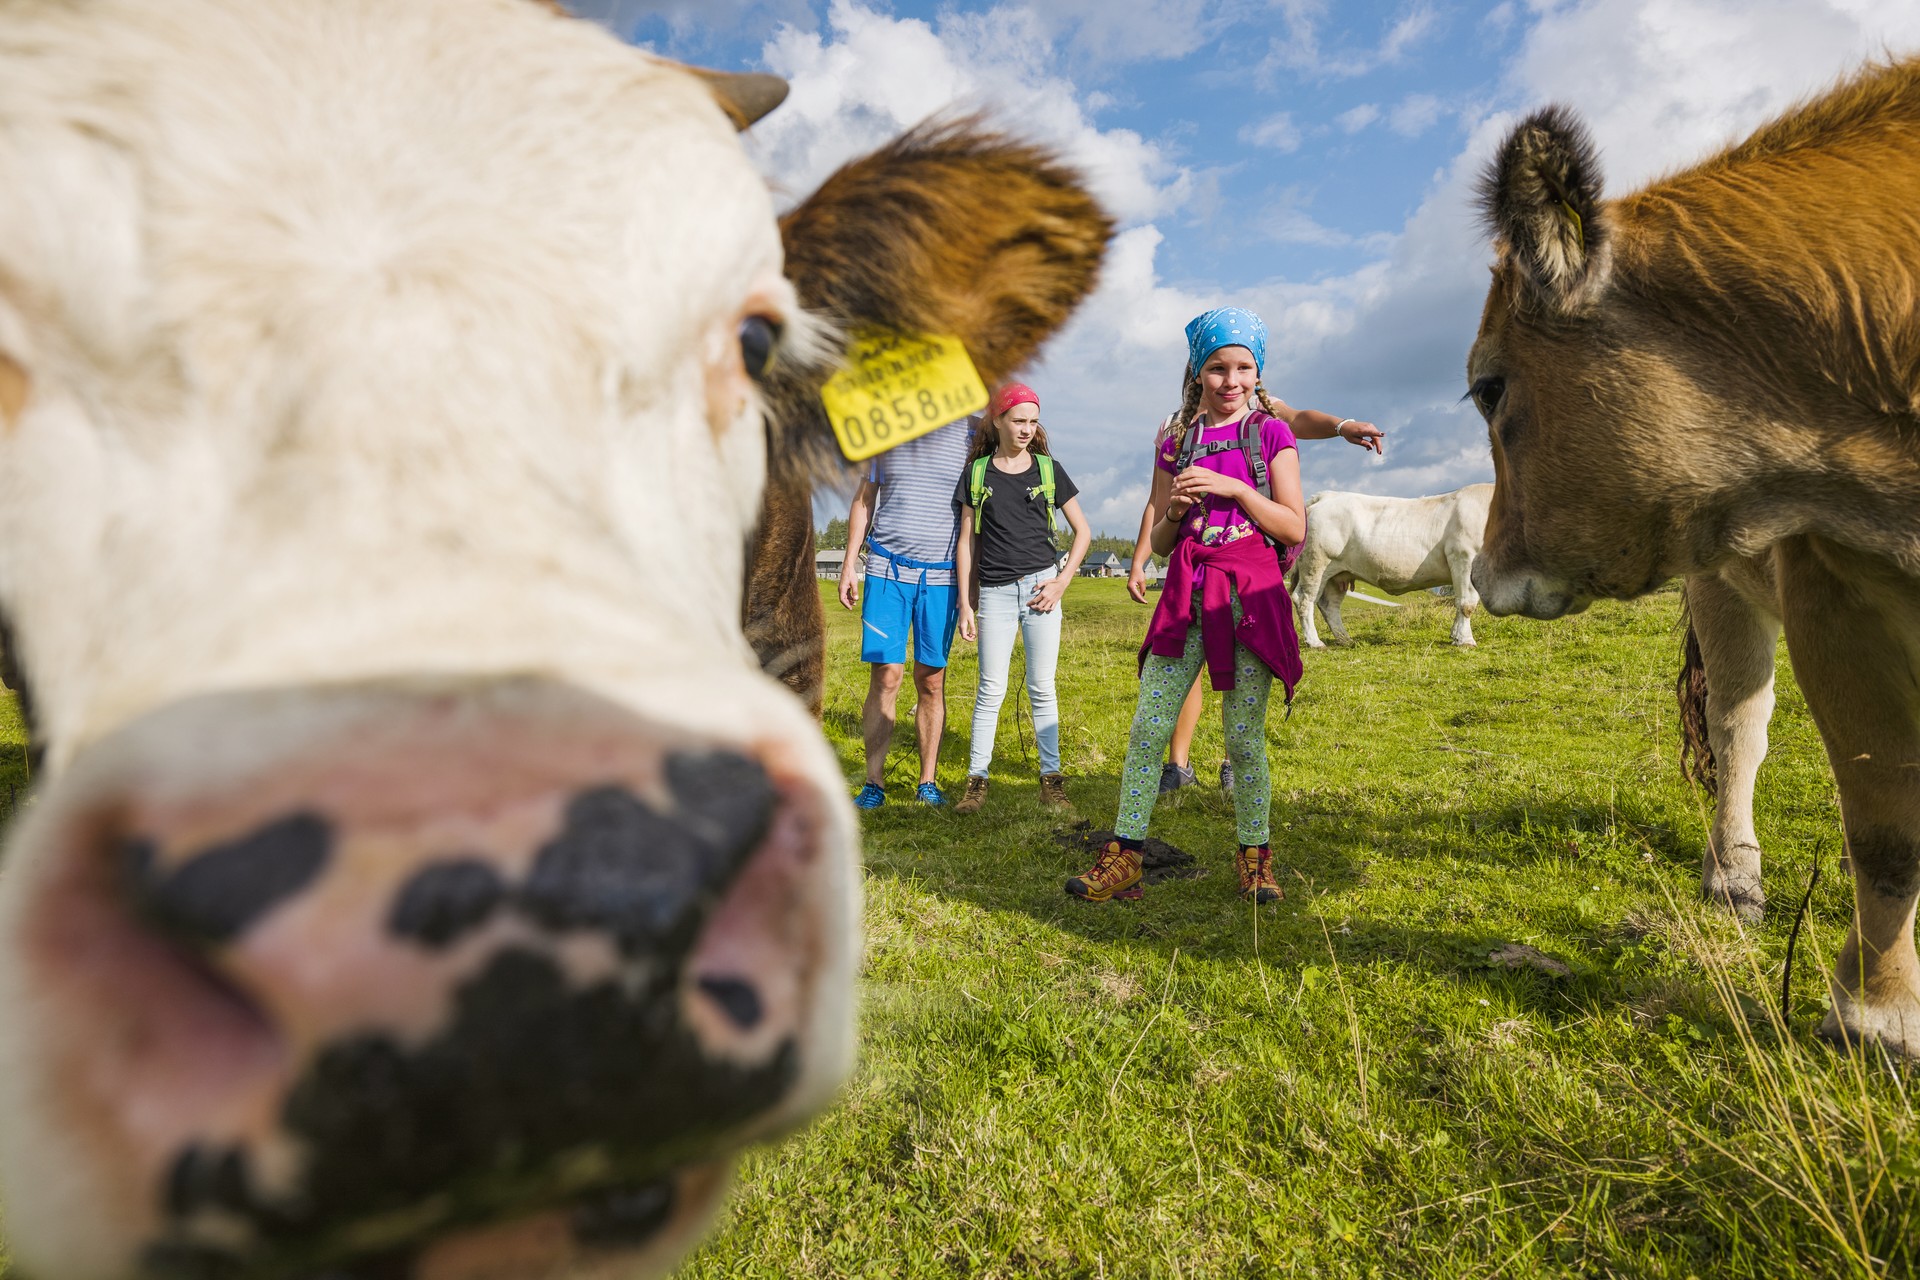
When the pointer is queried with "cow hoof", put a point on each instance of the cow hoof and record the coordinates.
(1465, 644)
(1894, 1030)
(1748, 903)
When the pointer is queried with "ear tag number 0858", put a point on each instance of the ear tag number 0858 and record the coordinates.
(895, 387)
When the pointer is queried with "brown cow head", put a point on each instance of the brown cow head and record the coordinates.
(426, 879)
(1595, 401)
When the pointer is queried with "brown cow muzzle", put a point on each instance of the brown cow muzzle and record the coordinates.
(353, 980)
(1506, 588)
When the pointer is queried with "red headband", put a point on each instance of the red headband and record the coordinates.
(1010, 395)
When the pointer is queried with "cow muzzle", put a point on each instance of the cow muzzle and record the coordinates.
(443, 981)
(1524, 591)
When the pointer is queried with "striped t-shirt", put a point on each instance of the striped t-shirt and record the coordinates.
(915, 515)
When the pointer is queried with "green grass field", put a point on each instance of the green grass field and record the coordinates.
(1343, 1084)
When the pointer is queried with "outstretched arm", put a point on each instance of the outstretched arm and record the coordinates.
(1312, 424)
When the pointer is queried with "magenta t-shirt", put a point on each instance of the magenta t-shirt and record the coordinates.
(1214, 519)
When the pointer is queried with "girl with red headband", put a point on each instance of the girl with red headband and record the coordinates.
(1010, 582)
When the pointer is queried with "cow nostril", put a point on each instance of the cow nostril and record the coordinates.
(216, 894)
(628, 1217)
(202, 1179)
(737, 999)
(728, 794)
(648, 877)
(445, 900)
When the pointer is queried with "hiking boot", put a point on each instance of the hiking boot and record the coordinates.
(1255, 865)
(1175, 776)
(975, 797)
(1114, 874)
(1053, 791)
(929, 794)
(871, 796)
(1226, 776)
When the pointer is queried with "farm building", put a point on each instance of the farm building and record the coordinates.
(826, 564)
(1104, 564)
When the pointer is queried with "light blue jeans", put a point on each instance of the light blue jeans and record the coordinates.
(1004, 612)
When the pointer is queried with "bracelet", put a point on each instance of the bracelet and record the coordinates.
(1343, 422)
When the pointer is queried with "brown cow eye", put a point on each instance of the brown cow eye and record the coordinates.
(1487, 393)
(759, 337)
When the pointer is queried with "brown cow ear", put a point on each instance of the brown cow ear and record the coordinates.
(953, 228)
(1541, 200)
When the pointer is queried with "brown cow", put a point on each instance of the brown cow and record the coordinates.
(1726, 366)
(425, 879)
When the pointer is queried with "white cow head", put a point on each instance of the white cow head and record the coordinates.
(427, 882)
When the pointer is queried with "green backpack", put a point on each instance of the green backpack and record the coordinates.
(977, 489)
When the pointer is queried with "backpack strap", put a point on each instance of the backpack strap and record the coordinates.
(1189, 443)
(1257, 463)
(1250, 450)
(1045, 464)
(977, 488)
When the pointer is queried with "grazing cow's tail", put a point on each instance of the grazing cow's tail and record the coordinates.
(1696, 748)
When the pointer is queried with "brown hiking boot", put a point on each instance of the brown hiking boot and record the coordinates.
(1114, 874)
(1053, 791)
(1255, 865)
(975, 797)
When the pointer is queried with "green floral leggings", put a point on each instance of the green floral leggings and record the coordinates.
(1243, 714)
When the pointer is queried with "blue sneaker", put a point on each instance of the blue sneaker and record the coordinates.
(871, 796)
(927, 793)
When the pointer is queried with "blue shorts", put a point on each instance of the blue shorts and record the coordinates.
(890, 608)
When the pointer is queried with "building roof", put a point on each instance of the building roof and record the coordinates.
(830, 555)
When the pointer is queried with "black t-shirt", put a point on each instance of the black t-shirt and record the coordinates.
(1013, 539)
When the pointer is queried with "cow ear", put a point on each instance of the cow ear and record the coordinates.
(951, 229)
(1541, 200)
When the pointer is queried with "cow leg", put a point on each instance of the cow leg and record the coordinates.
(1309, 574)
(1850, 655)
(1330, 597)
(1465, 598)
(1736, 646)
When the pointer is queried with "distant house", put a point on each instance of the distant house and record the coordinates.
(826, 564)
(1103, 565)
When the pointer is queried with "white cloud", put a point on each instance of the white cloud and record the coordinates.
(1105, 32)
(1358, 118)
(870, 75)
(1277, 132)
(1300, 49)
(1415, 114)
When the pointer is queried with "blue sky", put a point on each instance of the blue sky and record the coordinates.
(1311, 160)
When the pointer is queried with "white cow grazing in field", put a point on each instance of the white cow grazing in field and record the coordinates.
(1401, 544)
(426, 882)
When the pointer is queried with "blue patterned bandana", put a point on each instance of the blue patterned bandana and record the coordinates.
(1225, 327)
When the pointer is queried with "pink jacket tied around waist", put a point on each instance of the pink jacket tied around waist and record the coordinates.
(1247, 566)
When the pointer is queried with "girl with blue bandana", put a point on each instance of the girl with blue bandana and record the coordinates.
(1225, 604)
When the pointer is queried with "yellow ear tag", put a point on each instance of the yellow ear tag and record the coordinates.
(895, 387)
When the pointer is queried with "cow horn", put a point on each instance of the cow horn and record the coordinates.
(747, 96)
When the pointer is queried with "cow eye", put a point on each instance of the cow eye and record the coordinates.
(759, 337)
(1487, 393)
